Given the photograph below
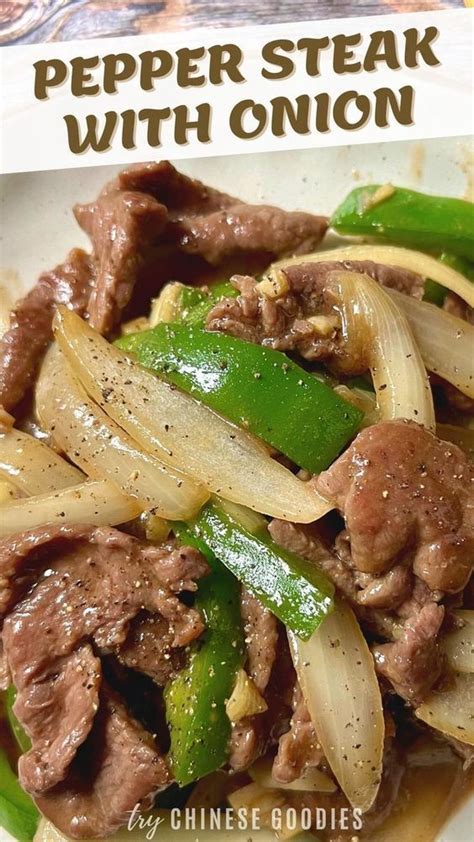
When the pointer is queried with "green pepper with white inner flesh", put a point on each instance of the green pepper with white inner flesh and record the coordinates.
(291, 587)
(22, 739)
(195, 699)
(195, 303)
(253, 386)
(18, 814)
(436, 293)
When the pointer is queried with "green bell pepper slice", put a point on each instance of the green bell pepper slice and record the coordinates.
(291, 587)
(18, 814)
(256, 387)
(409, 218)
(196, 303)
(195, 699)
(435, 293)
(22, 739)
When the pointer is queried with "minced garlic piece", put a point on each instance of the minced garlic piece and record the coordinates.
(245, 699)
(381, 194)
(165, 307)
(274, 285)
(324, 325)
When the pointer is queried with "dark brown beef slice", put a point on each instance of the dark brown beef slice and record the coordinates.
(298, 749)
(413, 663)
(405, 493)
(22, 346)
(386, 591)
(248, 736)
(282, 323)
(152, 204)
(59, 712)
(214, 225)
(146, 206)
(250, 228)
(267, 646)
(261, 636)
(122, 226)
(148, 648)
(116, 768)
(93, 582)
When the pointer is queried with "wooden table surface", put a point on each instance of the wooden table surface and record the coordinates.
(33, 21)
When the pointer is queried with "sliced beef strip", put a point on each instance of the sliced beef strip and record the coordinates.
(248, 741)
(143, 215)
(456, 400)
(420, 596)
(184, 197)
(413, 663)
(91, 583)
(148, 649)
(214, 225)
(30, 331)
(122, 226)
(118, 767)
(386, 591)
(252, 736)
(389, 590)
(405, 493)
(59, 712)
(251, 228)
(248, 736)
(298, 749)
(261, 637)
(282, 323)
(154, 204)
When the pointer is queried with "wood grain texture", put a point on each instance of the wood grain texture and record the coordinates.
(35, 21)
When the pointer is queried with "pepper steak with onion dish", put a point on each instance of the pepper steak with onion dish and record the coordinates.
(237, 529)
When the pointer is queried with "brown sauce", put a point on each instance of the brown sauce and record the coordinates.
(433, 788)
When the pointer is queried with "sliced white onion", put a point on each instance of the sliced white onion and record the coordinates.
(446, 343)
(250, 520)
(95, 443)
(398, 373)
(181, 431)
(450, 709)
(33, 466)
(413, 261)
(100, 503)
(8, 491)
(462, 436)
(313, 780)
(458, 645)
(337, 677)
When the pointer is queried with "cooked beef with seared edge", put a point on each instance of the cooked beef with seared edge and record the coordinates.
(144, 209)
(68, 596)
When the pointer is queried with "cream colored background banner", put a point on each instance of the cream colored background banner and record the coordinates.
(288, 86)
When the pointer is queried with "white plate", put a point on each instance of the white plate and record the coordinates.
(39, 228)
